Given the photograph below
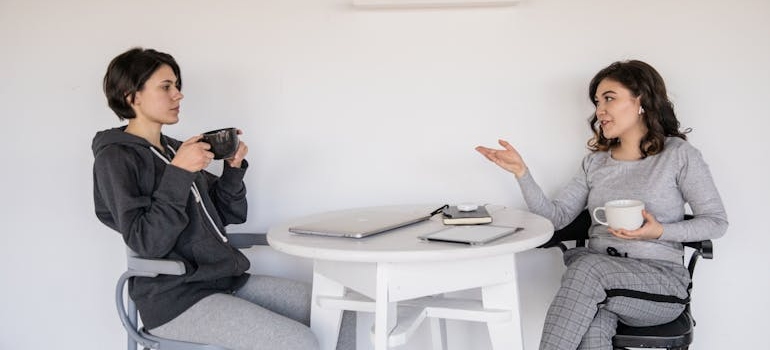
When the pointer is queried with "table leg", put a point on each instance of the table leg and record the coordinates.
(504, 335)
(325, 323)
(385, 314)
(438, 333)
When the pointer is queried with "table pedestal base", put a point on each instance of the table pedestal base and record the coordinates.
(403, 295)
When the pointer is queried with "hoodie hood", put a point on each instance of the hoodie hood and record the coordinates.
(119, 136)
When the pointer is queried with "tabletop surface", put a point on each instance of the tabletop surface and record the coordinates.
(403, 244)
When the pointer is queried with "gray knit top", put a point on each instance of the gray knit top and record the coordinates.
(665, 182)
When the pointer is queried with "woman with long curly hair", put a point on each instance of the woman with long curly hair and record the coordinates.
(637, 152)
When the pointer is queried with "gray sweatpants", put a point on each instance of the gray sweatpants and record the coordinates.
(266, 313)
(582, 317)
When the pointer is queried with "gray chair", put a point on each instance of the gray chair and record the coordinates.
(151, 268)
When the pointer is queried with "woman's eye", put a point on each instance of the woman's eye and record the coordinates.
(609, 98)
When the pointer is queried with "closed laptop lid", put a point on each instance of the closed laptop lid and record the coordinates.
(360, 224)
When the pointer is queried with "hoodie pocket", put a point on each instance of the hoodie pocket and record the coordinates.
(214, 260)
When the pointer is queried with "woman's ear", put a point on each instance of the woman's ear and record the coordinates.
(133, 99)
(639, 100)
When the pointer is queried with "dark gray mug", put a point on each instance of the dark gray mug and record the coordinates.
(224, 142)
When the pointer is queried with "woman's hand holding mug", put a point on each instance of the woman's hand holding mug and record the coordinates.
(628, 219)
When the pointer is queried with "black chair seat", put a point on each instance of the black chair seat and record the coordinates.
(677, 333)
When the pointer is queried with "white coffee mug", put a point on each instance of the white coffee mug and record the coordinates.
(621, 214)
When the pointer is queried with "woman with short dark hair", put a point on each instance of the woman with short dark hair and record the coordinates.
(154, 190)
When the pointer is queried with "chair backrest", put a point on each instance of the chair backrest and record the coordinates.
(577, 231)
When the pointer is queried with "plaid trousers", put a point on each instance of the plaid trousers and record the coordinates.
(582, 317)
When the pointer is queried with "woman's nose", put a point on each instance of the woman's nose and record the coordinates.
(600, 109)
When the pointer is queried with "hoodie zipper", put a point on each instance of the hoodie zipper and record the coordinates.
(196, 193)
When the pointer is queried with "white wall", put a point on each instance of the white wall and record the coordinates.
(344, 107)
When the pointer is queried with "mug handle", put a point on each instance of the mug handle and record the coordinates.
(596, 218)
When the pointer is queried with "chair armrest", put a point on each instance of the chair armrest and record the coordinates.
(704, 248)
(149, 267)
(246, 240)
(153, 267)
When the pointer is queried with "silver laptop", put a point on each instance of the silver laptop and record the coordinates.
(360, 224)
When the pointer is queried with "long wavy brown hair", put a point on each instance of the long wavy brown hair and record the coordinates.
(659, 117)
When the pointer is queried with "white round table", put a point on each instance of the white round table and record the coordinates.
(400, 277)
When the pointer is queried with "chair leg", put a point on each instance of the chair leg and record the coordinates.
(133, 318)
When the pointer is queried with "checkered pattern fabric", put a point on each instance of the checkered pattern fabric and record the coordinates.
(582, 317)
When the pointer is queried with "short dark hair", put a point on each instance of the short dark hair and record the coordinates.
(127, 74)
(659, 117)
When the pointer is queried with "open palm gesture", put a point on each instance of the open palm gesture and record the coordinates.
(507, 158)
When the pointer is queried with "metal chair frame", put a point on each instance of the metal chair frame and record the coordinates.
(142, 267)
